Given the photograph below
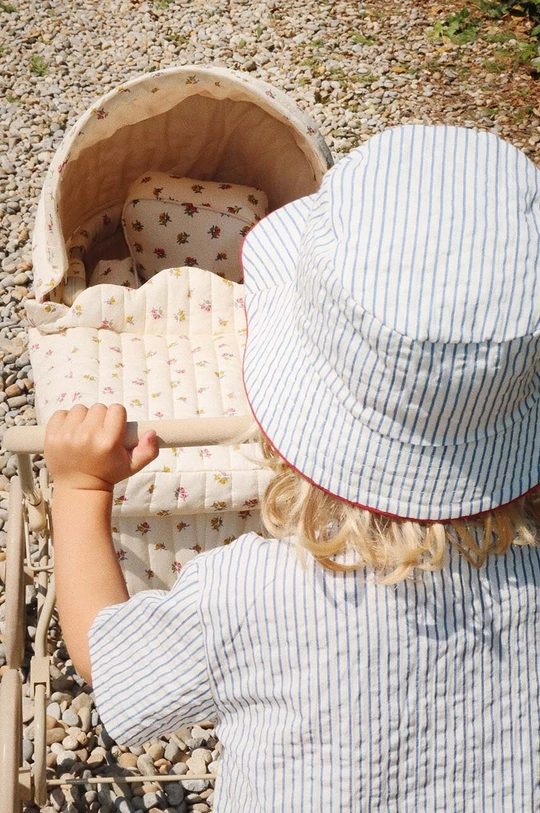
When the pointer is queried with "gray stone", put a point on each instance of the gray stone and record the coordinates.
(122, 805)
(174, 792)
(27, 749)
(66, 759)
(53, 710)
(57, 798)
(82, 700)
(195, 785)
(180, 769)
(71, 717)
(172, 752)
(145, 765)
(153, 799)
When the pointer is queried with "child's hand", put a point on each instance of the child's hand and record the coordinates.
(84, 448)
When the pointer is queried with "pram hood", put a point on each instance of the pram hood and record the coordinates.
(205, 123)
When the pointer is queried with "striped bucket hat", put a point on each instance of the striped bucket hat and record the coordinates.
(393, 353)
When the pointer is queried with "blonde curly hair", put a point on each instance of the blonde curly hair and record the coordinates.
(394, 548)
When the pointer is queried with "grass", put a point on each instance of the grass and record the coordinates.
(365, 78)
(311, 62)
(7, 7)
(499, 37)
(175, 38)
(359, 39)
(38, 65)
(493, 66)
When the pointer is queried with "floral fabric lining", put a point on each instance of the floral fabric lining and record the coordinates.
(172, 348)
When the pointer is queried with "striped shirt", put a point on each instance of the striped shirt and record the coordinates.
(333, 693)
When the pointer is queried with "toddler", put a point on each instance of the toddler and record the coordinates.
(380, 650)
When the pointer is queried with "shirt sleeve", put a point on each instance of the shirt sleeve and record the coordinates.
(149, 667)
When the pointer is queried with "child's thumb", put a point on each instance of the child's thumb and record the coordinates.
(146, 450)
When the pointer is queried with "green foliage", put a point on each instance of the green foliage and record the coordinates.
(7, 7)
(460, 28)
(359, 39)
(463, 27)
(520, 8)
(366, 78)
(38, 65)
(176, 38)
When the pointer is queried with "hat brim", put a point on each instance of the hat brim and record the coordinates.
(299, 403)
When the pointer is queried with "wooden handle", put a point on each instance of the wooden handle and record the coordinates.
(180, 432)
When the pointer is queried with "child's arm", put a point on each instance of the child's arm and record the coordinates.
(86, 456)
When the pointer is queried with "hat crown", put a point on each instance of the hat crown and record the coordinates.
(418, 284)
(435, 231)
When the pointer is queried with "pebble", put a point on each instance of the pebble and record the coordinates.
(27, 749)
(53, 710)
(97, 757)
(195, 785)
(66, 759)
(127, 760)
(82, 701)
(153, 799)
(172, 752)
(27, 709)
(71, 717)
(174, 792)
(57, 798)
(85, 717)
(316, 52)
(145, 764)
(180, 769)
(55, 735)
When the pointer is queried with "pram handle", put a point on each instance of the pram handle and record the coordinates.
(180, 432)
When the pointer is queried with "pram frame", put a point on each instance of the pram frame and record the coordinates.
(29, 512)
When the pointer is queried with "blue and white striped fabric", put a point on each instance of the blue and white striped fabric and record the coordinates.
(334, 694)
(393, 352)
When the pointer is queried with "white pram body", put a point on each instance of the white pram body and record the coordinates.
(166, 340)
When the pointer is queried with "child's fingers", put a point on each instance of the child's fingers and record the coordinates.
(54, 431)
(145, 451)
(56, 421)
(114, 421)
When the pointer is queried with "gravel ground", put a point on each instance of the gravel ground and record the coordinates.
(356, 67)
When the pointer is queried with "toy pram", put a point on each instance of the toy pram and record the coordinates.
(159, 180)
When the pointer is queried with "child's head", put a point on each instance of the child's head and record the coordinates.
(393, 354)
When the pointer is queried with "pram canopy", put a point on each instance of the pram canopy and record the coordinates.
(205, 123)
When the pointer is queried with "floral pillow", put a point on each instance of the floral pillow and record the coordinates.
(174, 222)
